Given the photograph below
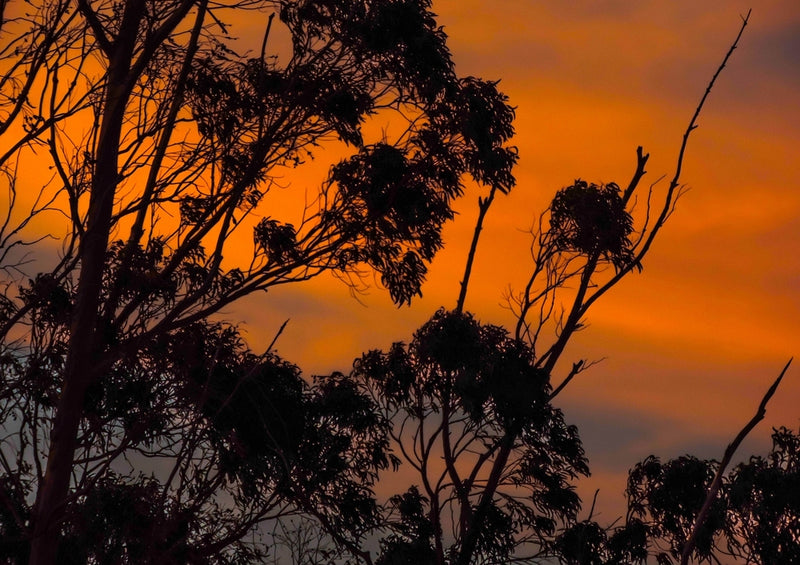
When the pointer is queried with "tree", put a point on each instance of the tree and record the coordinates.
(164, 144)
(132, 411)
(471, 404)
(471, 396)
(471, 412)
(190, 444)
(753, 520)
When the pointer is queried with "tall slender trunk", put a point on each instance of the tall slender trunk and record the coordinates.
(469, 540)
(83, 343)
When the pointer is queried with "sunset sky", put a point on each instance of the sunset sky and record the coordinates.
(692, 343)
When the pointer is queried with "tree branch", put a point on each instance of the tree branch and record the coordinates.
(97, 28)
(483, 208)
(729, 452)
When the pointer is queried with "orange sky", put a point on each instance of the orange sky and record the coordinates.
(692, 343)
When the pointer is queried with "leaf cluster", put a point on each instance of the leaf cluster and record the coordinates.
(592, 220)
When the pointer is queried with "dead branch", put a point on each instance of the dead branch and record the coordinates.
(729, 452)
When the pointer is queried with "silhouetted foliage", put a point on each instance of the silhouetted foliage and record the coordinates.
(413, 540)
(755, 517)
(14, 514)
(470, 395)
(239, 437)
(164, 143)
(763, 498)
(582, 544)
(140, 429)
(592, 220)
(669, 496)
(128, 521)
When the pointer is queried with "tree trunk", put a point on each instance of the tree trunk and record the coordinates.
(469, 540)
(84, 344)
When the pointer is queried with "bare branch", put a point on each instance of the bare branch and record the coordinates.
(483, 208)
(726, 459)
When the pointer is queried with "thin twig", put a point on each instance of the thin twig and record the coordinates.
(576, 368)
(673, 191)
(266, 37)
(277, 335)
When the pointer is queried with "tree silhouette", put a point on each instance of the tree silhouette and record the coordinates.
(139, 428)
(232, 439)
(472, 417)
(492, 460)
(164, 144)
(754, 519)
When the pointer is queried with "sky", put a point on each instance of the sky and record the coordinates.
(690, 345)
